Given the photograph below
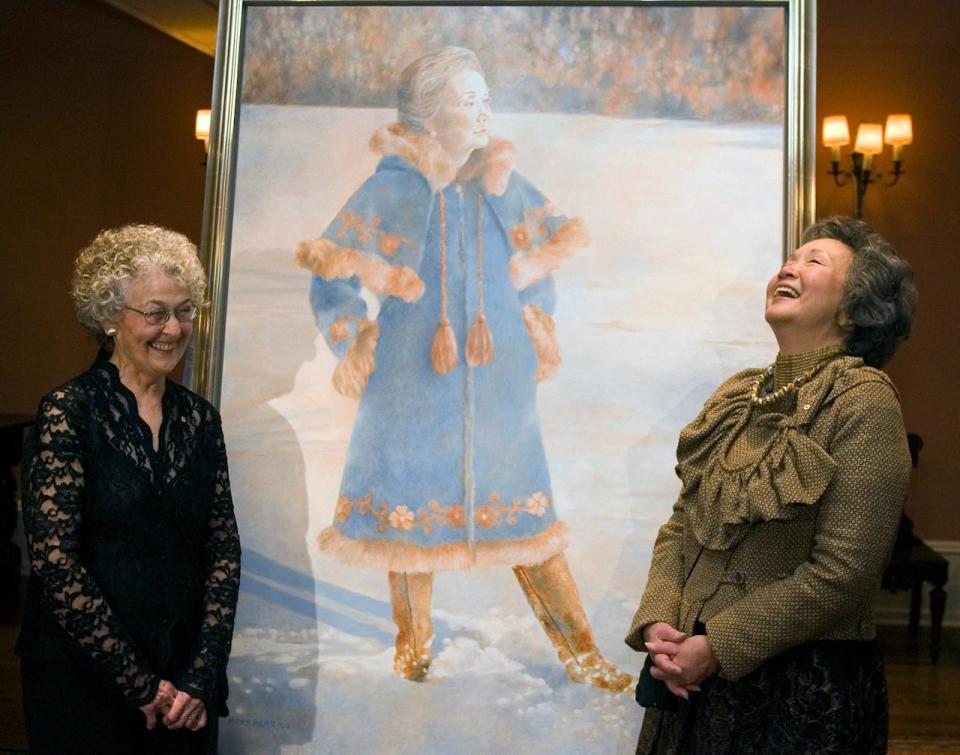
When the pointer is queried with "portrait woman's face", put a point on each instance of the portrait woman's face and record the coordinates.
(462, 121)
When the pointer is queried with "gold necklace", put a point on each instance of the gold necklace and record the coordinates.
(782, 391)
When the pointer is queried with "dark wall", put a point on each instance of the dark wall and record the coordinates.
(98, 114)
(891, 56)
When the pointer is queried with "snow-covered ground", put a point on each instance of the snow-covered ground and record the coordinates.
(686, 226)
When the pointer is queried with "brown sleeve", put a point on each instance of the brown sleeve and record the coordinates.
(661, 598)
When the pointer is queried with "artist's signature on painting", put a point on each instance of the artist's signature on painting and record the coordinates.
(259, 723)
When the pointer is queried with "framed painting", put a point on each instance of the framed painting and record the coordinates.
(472, 269)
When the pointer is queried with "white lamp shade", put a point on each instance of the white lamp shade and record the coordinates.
(869, 139)
(899, 129)
(836, 132)
(202, 127)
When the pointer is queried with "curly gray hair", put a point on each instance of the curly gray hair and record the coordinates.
(880, 296)
(117, 256)
(422, 81)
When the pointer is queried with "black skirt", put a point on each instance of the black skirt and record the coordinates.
(72, 712)
(820, 697)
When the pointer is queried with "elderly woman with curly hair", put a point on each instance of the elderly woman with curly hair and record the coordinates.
(757, 613)
(135, 558)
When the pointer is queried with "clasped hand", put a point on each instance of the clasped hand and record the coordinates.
(178, 709)
(680, 661)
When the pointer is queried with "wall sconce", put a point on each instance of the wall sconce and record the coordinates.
(201, 128)
(869, 142)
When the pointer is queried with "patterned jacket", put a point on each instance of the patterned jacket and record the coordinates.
(786, 517)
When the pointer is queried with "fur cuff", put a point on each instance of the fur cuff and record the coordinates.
(396, 555)
(324, 258)
(352, 373)
(543, 334)
(539, 262)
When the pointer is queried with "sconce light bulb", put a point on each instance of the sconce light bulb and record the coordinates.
(899, 130)
(869, 139)
(836, 132)
(202, 126)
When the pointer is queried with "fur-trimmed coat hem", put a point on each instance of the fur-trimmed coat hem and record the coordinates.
(398, 556)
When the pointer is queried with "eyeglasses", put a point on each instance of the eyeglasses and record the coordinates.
(186, 313)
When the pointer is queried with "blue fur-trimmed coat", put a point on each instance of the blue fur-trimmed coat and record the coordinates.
(444, 471)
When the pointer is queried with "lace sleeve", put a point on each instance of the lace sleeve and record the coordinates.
(52, 515)
(222, 548)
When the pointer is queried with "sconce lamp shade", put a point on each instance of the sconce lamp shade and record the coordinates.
(869, 142)
(202, 128)
(899, 129)
(836, 132)
(869, 139)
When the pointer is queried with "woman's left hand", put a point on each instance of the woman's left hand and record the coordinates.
(696, 661)
(186, 712)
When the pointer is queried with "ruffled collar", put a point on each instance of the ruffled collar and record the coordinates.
(492, 165)
(781, 473)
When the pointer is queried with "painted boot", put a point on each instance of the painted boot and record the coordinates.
(555, 600)
(410, 596)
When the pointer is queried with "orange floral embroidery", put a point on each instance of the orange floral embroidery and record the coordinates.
(401, 518)
(340, 330)
(369, 231)
(533, 229)
(455, 516)
(433, 515)
(486, 516)
(520, 236)
(351, 221)
(389, 243)
(537, 504)
(344, 509)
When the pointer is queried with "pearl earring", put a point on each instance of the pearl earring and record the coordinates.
(111, 332)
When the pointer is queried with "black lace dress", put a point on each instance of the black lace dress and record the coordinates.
(135, 567)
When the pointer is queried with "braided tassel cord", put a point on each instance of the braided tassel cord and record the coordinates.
(479, 337)
(443, 353)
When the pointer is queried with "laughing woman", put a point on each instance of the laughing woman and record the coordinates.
(446, 467)
(757, 614)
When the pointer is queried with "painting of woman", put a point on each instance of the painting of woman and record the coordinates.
(446, 468)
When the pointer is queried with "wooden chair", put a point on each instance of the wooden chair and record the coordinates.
(913, 563)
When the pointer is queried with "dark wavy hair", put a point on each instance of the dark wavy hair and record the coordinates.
(880, 296)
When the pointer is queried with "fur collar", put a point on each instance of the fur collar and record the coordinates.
(493, 164)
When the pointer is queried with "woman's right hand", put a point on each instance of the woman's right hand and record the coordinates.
(166, 694)
(186, 712)
(663, 642)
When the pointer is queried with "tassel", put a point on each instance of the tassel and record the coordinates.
(479, 343)
(479, 339)
(443, 355)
